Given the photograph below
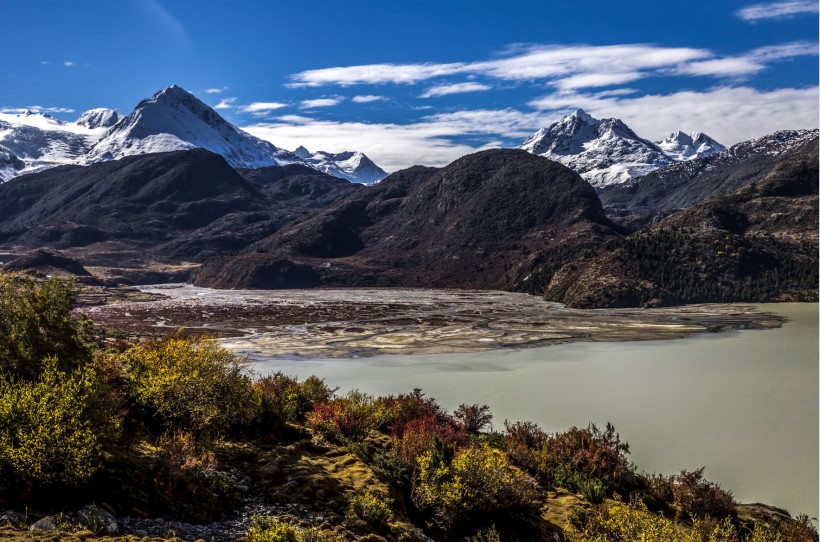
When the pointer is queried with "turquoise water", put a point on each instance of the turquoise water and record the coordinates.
(743, 403)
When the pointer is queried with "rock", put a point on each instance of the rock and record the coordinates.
(140, 533)
(98, 520)
(46, 524)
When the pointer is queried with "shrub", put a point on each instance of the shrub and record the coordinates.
(596, 453)
(349, 417)
(265, 529)
(579, 516)
(422, 435)
(36, 322)
(525, 442)
(180, 456)
(372, 508)
(284, 399)
(634, 522)
(54, 429)
(592, 490)
(697, 497)
(800, 529)
(191, 384)
(475, 480)
(474, 418)
(407, 407)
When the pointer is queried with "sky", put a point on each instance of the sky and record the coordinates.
(423, 82)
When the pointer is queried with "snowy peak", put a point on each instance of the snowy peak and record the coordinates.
(607, 151)
(98, 118)
(681, 146)
(174, 119)
(353, 166)
(603, 152)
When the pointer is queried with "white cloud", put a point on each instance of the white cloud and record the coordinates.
(46, 62)
(443, 90)
(564, 67)
(777, 10)
(320, 102)
(216, 90)
(367, 99)
(729, 114)
(36, 109)
(69, 64)
(262, 108)
(225, 103)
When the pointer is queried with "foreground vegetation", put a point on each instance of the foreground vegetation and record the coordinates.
(180, 428)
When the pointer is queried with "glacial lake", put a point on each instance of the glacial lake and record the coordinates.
(742, 403)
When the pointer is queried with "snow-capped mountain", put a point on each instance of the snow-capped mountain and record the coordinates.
(607, 152)
(99, 118)
(353, 166)
(39, 141)
(174, 120)
(680, 146)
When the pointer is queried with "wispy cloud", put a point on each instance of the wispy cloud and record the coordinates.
(69, 64)
(225, 103)
(367, 99)
(321, 102)
(164, 18)
(777, 10)
(262, 107)
(443, 90)
(564, 67)
(749, 63)
(36, 109)
(216, 90)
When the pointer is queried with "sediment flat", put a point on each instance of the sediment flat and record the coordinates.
(362, 322)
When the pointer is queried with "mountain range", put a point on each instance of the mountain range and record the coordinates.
(607, 152)
(171, 120)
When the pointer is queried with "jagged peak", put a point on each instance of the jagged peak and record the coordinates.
(580, 114)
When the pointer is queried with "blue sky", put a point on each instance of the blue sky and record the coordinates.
(423, 82)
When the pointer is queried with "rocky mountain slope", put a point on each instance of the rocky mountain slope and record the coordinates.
(757, 244)
(488, 220)
(607, 152)
(681, 185)
(171, 120)
(179, 205)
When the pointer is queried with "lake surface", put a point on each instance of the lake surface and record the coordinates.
(742, 403)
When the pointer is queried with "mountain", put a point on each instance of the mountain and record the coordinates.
(99, 118)
(607, 152)
(39, 141)
(174, 119)
(353, 166)
(680, 146)
(681, 185)
(175, 206)
(755, 244)
(492, 219)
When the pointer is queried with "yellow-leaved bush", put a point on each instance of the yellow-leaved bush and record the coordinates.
(191, 383)
(53, 429)
(477, 479)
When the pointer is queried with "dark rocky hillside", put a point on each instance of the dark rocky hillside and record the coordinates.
(757, 244)
(494, 219)
(177, 205)
(683, 184)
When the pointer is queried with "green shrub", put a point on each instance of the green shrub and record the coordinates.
(579, 516)
(489, 534)
(352, 416)
(474, 418)
(698, 497)
(592, 490)
(191, 384)
(265, 529)
(284, 399)
(36, 322)
(633, 521)
(372, 508)
(475, 480)
(54, 429)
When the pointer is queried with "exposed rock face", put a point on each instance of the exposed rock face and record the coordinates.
(493, 219)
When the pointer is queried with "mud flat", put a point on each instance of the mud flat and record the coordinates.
(341, 323)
